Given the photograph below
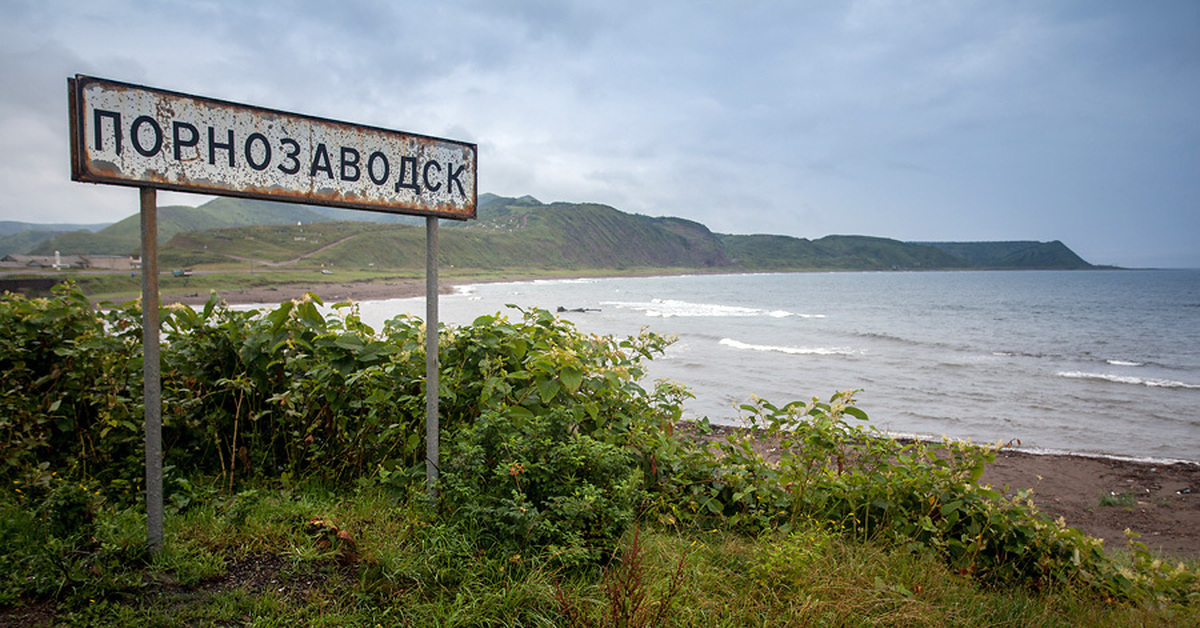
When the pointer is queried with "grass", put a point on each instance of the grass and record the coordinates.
(1119, 500)
(308, 555)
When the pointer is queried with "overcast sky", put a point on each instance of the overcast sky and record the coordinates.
(958, 120)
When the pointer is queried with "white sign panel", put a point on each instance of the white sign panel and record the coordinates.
(130, 135)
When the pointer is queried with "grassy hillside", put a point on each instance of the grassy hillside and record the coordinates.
(590, 236)
(124, 237)
(22, 242)
(524, 233)
(773, 252)
(10, 227)
(1014, 254)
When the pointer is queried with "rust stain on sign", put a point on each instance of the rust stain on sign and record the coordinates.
(126, 134)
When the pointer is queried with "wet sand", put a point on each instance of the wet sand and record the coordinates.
(1161, 502)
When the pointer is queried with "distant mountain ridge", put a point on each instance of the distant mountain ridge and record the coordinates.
(18, 238)
(526, 233)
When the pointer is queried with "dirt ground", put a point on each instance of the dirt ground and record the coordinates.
(329, 292)
(1160, 502)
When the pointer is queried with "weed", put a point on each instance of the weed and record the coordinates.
(1119, 500)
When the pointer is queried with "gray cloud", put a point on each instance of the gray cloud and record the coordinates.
(922, 120)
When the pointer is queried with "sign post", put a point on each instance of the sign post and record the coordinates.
(151, 370)
(431, 357)
(153, 139)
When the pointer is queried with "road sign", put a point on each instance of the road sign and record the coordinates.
(123, 134)
(126, 134)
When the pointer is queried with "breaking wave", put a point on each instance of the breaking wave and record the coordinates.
(1125, 379)
(671, 308)
(735, 344)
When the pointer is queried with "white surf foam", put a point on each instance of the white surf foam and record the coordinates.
(1126, 379)
(736, 344)
(671, 308)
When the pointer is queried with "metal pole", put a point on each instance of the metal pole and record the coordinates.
(151, 375)
(431, 355)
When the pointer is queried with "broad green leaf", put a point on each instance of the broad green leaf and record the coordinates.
(571, 379)
(547, 388)
(856, 413)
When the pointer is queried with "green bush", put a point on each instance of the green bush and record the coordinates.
(551, 446)
(71, 386)
(548, 432)
(290, 390)
(923, 497)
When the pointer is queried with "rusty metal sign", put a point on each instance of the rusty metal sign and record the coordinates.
(126, 134)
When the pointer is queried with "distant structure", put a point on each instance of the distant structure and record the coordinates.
(74, 262)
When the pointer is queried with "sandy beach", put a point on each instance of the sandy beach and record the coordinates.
(1157, 501)
(1163, 506)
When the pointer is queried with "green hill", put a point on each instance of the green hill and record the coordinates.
(20, 238)
(588, 235)
(774, 252)
(23, 242)
(516, 233)
(1015, 254)
(124, 237)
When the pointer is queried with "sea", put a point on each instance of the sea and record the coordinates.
(1102, 362)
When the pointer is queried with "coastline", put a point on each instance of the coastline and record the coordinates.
(1159, 500)
(332, 292)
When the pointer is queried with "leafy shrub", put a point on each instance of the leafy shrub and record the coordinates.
(551, 444)
(290, 390)
(69, 386)
(549, 431)
(921, 496)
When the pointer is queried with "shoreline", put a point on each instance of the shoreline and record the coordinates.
(1101, 496)
(328, 292)
(1158, 499)
(1104, 497)
(364, 290)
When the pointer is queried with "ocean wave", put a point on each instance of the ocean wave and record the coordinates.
(554, 282)
(671, 308)
(874, 335)
(1125, 363)
(1027, 354)
(1018, 354)
(1125, 379)
(736, 344)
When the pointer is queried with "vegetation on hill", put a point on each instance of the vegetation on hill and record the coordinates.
(516, 233)
(774, 252)
(569, 493)
(124, 237)
(19, 238)
(1017, 255)
(22, 242)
